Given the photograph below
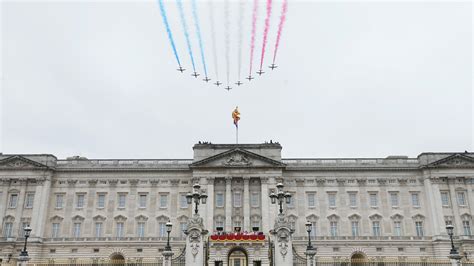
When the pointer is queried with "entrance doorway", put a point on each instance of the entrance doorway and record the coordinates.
(117, 258)
(238, 257)
(358, 259)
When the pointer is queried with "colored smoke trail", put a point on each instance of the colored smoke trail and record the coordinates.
(265, 31)
(252, 38)
(168, 30)
(198, 31)
(227, 39)
(213, 37)
(240, 22)
(186, 33)
(284, 8)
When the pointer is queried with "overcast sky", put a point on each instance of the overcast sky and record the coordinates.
(355, 79)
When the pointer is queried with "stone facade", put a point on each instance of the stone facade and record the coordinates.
(101, 209)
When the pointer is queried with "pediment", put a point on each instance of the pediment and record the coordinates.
(453, 161)
(238, 158)
(20, 162)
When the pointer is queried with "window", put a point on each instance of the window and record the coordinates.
(96, 250)
(53, 250)
(353, 199)
(445, 198)
(415, 199)
(13, 200)
(332, 200)
(120, 231)
(98, 229)
(397, 228)
(254, 199)
(220, 200)
(141, 229)
(333, 228)
(373, 199)
(162, 229)
(55, 230)
(30, 197)
(183, 202)
(394, 199)
(220, 224)
(59, 200)
(291, 201)
(311, 199)
(142, 201)
(80, 201)
(256, 223)
(183, 226)
(461, 198)
(237, 199)
(314, 229)
(77, 230)
(401, 249)
(376, 228)
(122, 200)
(101, 201)
(335, 249)
(8, 230)
(466, 227)
(355, 228)
(419, 228)
(379, 249)
(163, 200)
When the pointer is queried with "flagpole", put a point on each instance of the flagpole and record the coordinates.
(236, 135)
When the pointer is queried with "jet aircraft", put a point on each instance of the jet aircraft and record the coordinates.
(218, 83)
(195, 74)
(238, 83)
(228, 88)
(181, 69)
(260, 72)
(273, 66)
(249, 77)
(206, 79)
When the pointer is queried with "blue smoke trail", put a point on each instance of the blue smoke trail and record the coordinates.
(168, 30)
(185, 29)
(198, 31)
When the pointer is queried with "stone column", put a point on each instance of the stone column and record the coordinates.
(310, 257)
(22, 260)
(457, 223)
(246, 205)
(265, 205)
(228, 204)
(167, 254)
(195, 237)
(282, 238)
(210, 203)
(40, 205)
(435, 210)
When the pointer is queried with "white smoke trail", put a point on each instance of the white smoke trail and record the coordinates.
(213, 36)
(240, 23)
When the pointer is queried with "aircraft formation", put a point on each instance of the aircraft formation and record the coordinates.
(234, 79)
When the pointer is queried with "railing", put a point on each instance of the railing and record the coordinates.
(364, 238)
(119, 239)
(368, 161)
(123, 163)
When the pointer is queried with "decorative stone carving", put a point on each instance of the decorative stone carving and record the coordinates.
(237, 159)
(133, 182)
(154, 182)
(113, 182)
(93, 182)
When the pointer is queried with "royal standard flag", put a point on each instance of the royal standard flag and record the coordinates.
(236, 116)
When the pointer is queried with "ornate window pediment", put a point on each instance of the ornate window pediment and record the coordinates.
(397, 217)
(56, 218)
(78, 218)
(354, 217)
(418, 217)
(375, 217)
(162, 218)
(292, 218)
(141, 218)
(99, 218)
(9, 219)
(183, 218)
(466, 217)
(333, 217)
(312, 218)
(120, 218)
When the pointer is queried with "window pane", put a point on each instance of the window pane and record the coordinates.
(162, 229)
(98, 229)
(183, 203)
(55, 230)
(219, 200)
(419, 228)
(80, 201)
(333, 228)
(59, 201)
(77, 229)
(373, 200)
(8, 230)
(415, 199)
(394, 199)
(332, 200)
(397, 228)
(311, 200)
(101, 201)
(376, 228)
(141, 229)
(163, 201)
(254, 199)
(13, 200)
(120, 229)
(461, 198)
(355, 228)
(467, 228)
(237, 199)
(122, 199)
(142, 201)
(445, 198)
(29, 200)
(353, 199)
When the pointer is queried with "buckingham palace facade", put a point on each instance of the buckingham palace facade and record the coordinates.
(373, 207)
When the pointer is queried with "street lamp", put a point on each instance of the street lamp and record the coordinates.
(310, 250)
(169, 225)
(453, 254)
(280, 196)
(24, 252)
(198, 197)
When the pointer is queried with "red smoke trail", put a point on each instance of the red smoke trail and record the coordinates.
(252, 40)
(265, 31)
(284, 8)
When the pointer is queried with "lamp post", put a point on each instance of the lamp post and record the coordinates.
(24, 252)
(310, 250)
(453, 254)
(169, 226)
(198, 197)
(280, 196)
(167, 253)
